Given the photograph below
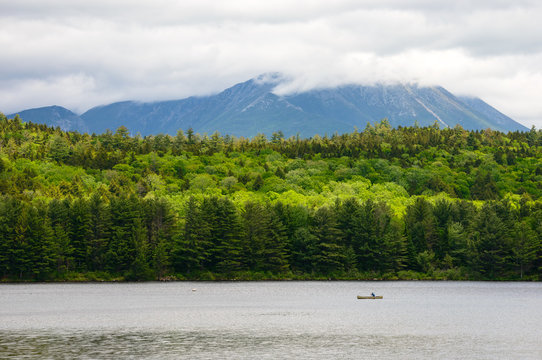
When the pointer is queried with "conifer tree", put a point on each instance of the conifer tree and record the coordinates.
(420, 229)
(329, 256)
(192, 247)
(493, 243)
(80, 231)
(228, 235)
(100, 227)
(524, 247)
(265, 240)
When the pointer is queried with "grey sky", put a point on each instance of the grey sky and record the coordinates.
(80, 54)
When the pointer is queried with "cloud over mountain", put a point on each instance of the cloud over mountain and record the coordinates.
(81, 54)
(258, 106)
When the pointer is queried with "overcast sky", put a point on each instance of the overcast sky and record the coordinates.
(79, 54)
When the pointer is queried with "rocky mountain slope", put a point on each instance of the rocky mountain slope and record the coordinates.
(253, 107)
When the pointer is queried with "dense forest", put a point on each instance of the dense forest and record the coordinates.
(382, 203)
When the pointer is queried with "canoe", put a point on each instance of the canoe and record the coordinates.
(370, 297)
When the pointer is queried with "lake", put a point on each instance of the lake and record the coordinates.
(272, 320)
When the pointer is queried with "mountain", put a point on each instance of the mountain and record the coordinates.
(53, 116)
(252, 107)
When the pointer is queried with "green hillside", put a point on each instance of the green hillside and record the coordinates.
(381, 203)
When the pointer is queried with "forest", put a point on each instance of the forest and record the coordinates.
(381, 203)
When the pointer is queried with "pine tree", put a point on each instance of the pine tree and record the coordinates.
(348, 221)
(20, 253)
(160, 224)
(10, 212)
(524, 247)
(493, 242)
(191, 251)
(80, 231)
(255, 222)
(121, 251)
(58, 213)
(275, 251)
(228, 234)
(264, 240)
(442, 214)
(420, 229)
(366, 237)
(39, 238)
(329, 255)
(62, 249)
(100, 227)
(139, 268)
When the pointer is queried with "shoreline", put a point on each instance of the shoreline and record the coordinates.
(225, 280)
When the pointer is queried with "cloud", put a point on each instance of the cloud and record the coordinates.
(82, 54)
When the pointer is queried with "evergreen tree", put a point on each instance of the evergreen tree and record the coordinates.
(80, 231)
(21, 252)
(524, 247)
(442, 212)
(275, 251)
(366, 240)
(255, 222)
(192, 246)
(61, 249)
(329, 256)
(100, 227)
(265, 240)
(420, 229)
(461, 248)
(228, 235)
(39, 239)
(160, 224)
(139, 268)
(58, 213)
(10, 211)
(121, 251)
(493, 242)
(304, 251)
(348, 217)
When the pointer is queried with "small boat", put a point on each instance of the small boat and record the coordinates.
(370, 297)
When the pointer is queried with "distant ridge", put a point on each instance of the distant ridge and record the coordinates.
(54, 116)
(252, 107)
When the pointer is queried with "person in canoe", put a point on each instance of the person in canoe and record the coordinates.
(373, 294)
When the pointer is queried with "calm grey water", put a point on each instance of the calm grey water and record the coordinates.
(272, 320)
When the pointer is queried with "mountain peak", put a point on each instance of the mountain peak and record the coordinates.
(270, 78)
(255, 106)
(53, 115)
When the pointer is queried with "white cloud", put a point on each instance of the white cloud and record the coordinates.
(81, 54)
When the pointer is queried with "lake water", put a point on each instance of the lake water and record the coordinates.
(272, 320)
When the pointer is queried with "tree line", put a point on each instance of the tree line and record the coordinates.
(475, 165)
(143, 239)
(381, 203)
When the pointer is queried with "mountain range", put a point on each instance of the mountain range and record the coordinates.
(253, 107)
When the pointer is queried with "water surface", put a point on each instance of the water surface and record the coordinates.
(270, 320)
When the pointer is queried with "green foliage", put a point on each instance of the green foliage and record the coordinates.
(385, 203)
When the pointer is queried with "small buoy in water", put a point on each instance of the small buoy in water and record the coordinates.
(193, 289)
